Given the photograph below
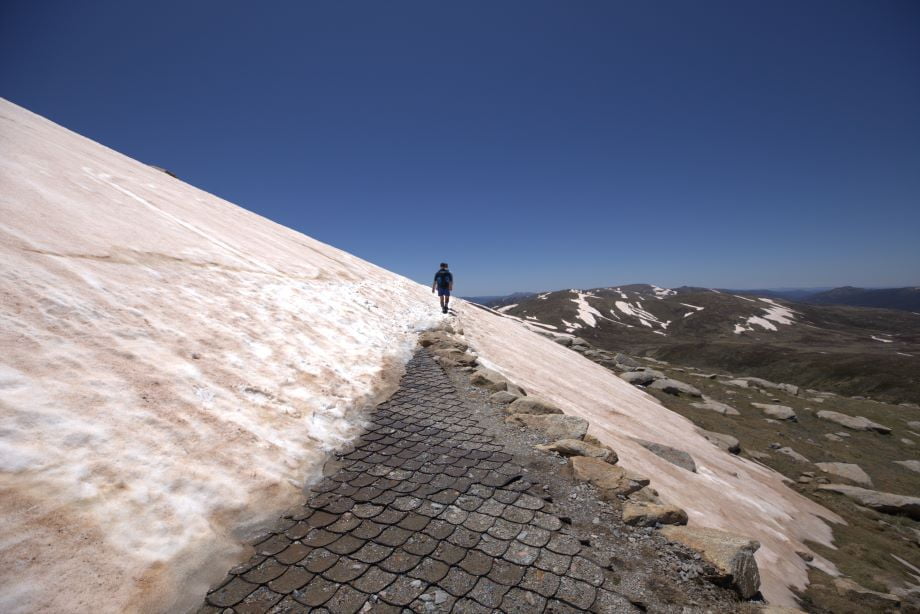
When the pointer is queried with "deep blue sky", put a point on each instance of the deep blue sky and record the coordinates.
(534, 145)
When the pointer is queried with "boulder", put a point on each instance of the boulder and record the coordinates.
(913, 425)
(441, 339)
(756, 382)
(851, 472)
(742, 383)
(515, 389)
(651, 514)
(885, 502)
(779, 609)
(611, 480)
(792, 454)
(531, 405)
(639, 378)
(864, 599)
(555, 426)
(578, 341)
(626, 361)
(675, 387)
(913, 465)
(489, 379)
(646, 494)
(563, 341)
(454, 357)
(731, 555)
(576, 447)
(721, 440)
(503, 396)
(856, 423)
(780, 412)
(672, 455)
(716, 406)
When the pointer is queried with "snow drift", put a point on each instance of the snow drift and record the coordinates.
(173, 368)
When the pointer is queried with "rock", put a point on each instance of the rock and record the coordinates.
(888, 503)
(792, 454)
(563, 341)
(575, 447)
(454, 357)
(646, 494)
(611, 480)
(515, 389)
(642, 378)
(852, 472)
(531, 405)
(503, 396)
(555, 426)
(757, 455)
(651, 514)
(833, 437)
(856, 423)
(906, 441)
(913, 425)
(441, 339)
(721, 440)
(913, 465)
(861, 597)
(780, 412)
(716, 406)
(486, 378)
(626, 361)
(757, 382)
(743, 383)
(578, 341)
(778, 609)
(672, 455)
(731, 555)
(675, 387)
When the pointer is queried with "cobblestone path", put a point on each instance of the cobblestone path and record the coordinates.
(427, 514)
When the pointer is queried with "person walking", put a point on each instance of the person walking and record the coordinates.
(444, 284)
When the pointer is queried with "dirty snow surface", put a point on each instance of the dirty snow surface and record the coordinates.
(172, 368)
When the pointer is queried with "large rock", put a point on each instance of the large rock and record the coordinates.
(531, 405)
(489, 379)
(913, 425)
(886, 502)
(852, 472)
(757, 382)
(780, 412)
(626, 361)
(792, 454)
(913, 465)
(441, 339)
(650, 514)
(856, 423)
(611, 480)
(642, 378)
(554, 425)
(675, 387)
(721, 440)
(731, 555)
(716, 406)
(576, 447)
(503, 396)
(563, 341)
(672, 455)
(864, 599)
(454, 357)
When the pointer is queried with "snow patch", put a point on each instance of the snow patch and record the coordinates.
(506, 308)
(883, 340)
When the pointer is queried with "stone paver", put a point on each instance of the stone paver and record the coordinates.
(425, 514)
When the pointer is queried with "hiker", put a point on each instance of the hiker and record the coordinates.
(443, 283)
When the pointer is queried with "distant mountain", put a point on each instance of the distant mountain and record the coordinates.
(855, 351)
(789, 294)
(906, 299)
(500, 300)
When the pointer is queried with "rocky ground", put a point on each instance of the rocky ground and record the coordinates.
(855, 456)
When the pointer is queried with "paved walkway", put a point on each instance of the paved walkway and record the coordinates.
(425, 514)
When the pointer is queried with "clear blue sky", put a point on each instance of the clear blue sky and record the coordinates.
(533, 145)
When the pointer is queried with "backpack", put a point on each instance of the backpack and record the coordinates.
(443, 278)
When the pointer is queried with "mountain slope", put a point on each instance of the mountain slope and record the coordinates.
(850, 350)
(906, 299)
(173, 368)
